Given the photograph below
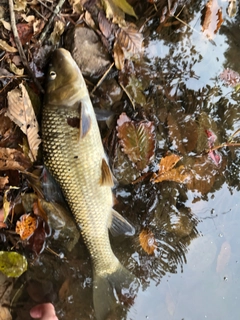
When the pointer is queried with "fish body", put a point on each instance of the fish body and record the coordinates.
(74, 154)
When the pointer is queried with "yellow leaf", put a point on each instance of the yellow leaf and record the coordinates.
(6, 47)
(176, 175)
(125, 7)
(26, 226)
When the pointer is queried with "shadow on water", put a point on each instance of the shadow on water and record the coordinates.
(193, 272)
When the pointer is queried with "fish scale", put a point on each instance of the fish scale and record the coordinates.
(74, 154)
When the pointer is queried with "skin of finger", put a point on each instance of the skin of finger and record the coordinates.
(44, 311)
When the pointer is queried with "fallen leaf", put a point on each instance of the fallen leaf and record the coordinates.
(178, 175)
(2, 224)
(26, 226)
(223, 257)
(118, 56)
(64, 290)
(12, 159)
(39, 211)
(168, 162)
(211, 19)
(115, 10)
(20, 5)
(12, 264)
(230, 77)
(7, 26)
(20, 110)
(13, 68)
(183, 132)
(137, 140)
(104, 25)
(130, 39)
(6, 47)
(3, 182)
(147, 241)
(232, 8)
(57, 32)
(25, 32)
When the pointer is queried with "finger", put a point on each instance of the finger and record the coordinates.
(43, 311)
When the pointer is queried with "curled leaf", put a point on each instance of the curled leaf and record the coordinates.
(12, 264)
(26, 226)
(147, 241)
(137, 140)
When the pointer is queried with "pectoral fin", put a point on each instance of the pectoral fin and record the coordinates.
(84, 119)
(120, 225)
(106, 177)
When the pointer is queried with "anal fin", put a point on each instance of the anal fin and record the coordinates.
(120, 225)
(106, 177)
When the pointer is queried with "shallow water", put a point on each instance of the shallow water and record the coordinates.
(195, 271)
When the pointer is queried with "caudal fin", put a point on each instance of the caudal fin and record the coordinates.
(106, 290)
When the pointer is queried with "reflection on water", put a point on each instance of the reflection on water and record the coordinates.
(194, 270)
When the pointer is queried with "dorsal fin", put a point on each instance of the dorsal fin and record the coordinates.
(85, 120)
(106, 177)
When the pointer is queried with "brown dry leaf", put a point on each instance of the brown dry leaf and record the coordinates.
(26, 226)
(13, 68)
(57, 32)
(183, 132)
(3, 182)
(64, 290)
(130, 39)
(223, 257)
(6, 47)
(137, 140)
(104, 25)
(115, 10)
(77, 5)
(6, 24)
(12, 159)
(2, 224)
(39, 211)
(118, 56)
(20, 5)
(168, 162)
(147, 241)
(25, 32)
(211, 19)
(176, 174)
(20, 110)
(168, 173)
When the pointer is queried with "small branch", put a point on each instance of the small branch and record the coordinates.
(225, 144)
(19, 46)
(102, 78)
(48, 25)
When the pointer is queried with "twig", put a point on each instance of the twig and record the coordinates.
(103, 77)
(19, 46)
(128, 94)
(225, 144)
(48, 25)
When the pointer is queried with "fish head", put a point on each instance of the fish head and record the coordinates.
(65, 83)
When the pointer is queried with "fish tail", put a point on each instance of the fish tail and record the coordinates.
(106, 289)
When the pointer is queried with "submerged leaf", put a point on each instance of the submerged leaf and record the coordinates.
(12, 264)
(26, 226)
(116, 8)
(137, 140)
(168, 162)
(147, 241)
(211, 19)
(176, 174)
(20, 110)
(118, 56)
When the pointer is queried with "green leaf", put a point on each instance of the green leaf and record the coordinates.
(12, 264)
(125, 7)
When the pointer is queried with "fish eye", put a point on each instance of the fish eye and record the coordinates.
(53, 75)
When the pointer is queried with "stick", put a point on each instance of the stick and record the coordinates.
(48, 25)
(19, 46)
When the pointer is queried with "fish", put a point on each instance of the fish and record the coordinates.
(73, 153)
